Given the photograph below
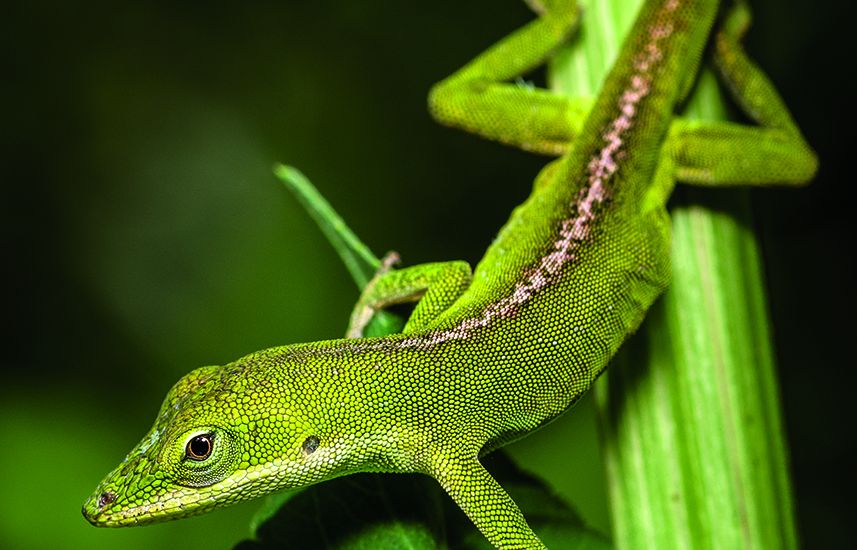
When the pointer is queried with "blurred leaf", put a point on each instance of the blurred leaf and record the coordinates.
(43, 510)
(408, 510)
(270, 507)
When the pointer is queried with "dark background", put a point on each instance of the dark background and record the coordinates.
(144, 235)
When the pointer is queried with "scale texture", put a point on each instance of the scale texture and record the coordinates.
(484, 359)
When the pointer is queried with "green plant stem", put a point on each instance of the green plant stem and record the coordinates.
(691, 424)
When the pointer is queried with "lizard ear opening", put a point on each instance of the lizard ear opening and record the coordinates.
(310, 445)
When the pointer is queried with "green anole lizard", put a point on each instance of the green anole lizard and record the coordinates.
(489, 357)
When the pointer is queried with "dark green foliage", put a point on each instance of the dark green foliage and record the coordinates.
(408, 511)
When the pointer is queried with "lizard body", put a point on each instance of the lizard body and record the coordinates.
(487, 358)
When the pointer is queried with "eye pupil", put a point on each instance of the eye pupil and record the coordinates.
(199, 448)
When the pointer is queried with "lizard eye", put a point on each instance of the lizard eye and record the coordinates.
(201, 456)
(199, 448)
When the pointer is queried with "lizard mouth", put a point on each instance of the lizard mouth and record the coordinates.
(96, 511)
(101, 509)
(101, 517)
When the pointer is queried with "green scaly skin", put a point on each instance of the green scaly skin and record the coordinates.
(485, 359)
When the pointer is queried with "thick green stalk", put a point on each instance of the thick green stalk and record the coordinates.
(692, 430)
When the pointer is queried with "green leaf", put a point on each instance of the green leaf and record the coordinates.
(408, 511)
(357, 257)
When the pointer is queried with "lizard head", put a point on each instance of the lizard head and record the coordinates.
(220, 437)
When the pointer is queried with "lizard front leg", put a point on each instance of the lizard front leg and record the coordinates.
(479, 99)
(485, 501)
(728, 153)
(434, 286)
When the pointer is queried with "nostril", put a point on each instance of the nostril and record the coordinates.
(105, 498)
